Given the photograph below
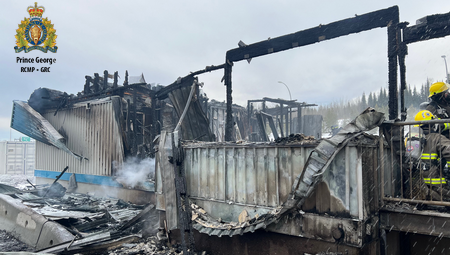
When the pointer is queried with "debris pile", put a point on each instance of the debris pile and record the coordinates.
(204, 223)
(296, 139)
(8, 243)
(99, 225)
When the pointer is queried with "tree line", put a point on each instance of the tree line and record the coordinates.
(342, 112)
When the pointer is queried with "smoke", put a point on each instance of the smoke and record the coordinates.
(133, 172)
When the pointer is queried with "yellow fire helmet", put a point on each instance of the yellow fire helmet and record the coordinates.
(437, 88)
(424, 115)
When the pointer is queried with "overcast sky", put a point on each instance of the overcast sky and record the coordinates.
(168, 39)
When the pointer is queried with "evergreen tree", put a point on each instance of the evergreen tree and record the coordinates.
(370, 100)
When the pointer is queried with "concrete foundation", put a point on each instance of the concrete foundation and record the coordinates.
(30, 227)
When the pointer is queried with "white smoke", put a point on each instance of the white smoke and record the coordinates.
(133, 172)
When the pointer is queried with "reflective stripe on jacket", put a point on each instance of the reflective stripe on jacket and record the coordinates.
(434, 181)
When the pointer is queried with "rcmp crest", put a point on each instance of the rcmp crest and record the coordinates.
(36, 33)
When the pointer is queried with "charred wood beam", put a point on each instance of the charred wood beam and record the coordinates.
(429, 27)
(118, 91)
(133, 118)
(380, 18)
(87, 85)
(401, 57)
(96, 83)
(105, 80)
(291, 103)
(393, 45)
(207, 69)
(125, 83)
(281, 101)
(281, 127)
(164, 92)
(57, 178)
(417, 222)
(271, 124)
(299, 121)
(116, 75)
(229, 113)
(183, 206)
(262, 127)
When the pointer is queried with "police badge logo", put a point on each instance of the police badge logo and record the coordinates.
(35, 31)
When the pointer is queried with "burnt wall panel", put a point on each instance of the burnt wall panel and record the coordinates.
(91, 132)
(249, 175)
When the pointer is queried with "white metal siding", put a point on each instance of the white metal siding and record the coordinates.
(261, 176)
(91, 132)
(17, 157)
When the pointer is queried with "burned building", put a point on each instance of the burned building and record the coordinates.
(93, 133)
(353, 193)
(284, 119)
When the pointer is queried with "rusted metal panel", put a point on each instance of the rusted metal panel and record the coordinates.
(91, 130)
(322, 227)
(416, 221)
(258, 175)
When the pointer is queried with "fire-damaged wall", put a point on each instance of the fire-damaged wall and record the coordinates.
(93, 130)
(97, 134)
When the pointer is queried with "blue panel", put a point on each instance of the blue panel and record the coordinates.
(86, 178)
(91, 179)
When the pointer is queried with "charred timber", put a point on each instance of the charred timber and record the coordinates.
(393, 45)
(229, 112)
(376, 19)
(429, 27)
(105, 80)
(96, 83)
(116, 74)
(120, 91)
(164, 92)
(401, 57)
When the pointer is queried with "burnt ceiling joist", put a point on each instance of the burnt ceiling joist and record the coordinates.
(429, 27)
(368, 21)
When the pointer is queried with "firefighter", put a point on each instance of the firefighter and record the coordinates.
(439, 104)
(435, 156)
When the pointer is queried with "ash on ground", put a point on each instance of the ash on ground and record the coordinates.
(148, 240)
(9, 243)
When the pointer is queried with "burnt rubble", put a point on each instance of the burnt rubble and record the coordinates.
(100, 225)
(296, 139)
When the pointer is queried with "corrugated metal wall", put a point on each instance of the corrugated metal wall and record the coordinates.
(264, 175)
(92, 131)
(257, 175)
(17, 157)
